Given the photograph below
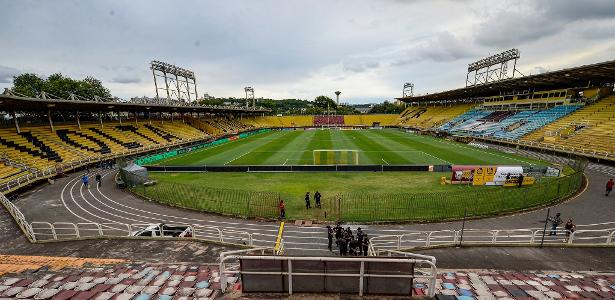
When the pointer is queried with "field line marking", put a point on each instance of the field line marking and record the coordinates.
(285, 162)
(202, 150)
(384, 161)
(236, 158)
(446, 161)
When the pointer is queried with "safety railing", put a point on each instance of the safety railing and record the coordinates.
(58, 231)
(361, 274)
(70, 165)
(18, 217)
(530, 237)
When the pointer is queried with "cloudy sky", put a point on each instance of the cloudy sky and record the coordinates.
(298, 49)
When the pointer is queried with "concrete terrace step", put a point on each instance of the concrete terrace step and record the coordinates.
(119, 280)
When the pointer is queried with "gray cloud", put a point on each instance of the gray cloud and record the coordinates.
(533, 20)
(7, 73)
(126, 80)
(300, 48)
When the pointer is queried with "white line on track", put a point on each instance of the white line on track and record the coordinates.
(384, 161)
(302, 233)
(285, 162)
(242, 226)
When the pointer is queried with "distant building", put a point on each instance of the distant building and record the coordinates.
(363, 110)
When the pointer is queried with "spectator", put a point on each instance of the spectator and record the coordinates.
(307, 200)
(349, 231)
(353, 246)
(520, 178)
(342, 245)
(330, 237)
(317, 199)
(282, 209)
(360, 236)
(86, 180)
(365, 244)
(98, 180)
(338, 233)
(609, 186)
(570, 228)
(555, 221)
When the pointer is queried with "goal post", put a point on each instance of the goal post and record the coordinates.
(335, 157)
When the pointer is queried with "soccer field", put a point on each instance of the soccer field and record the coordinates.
(387, 146)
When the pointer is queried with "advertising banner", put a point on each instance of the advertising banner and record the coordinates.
(514, 181)
(479, 176)
(504, 172)
(484, 175)
(462, 174)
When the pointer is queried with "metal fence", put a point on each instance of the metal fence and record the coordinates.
(63, 231)
(529, 237)
(215, 200)
(475, 202)
(18, 217)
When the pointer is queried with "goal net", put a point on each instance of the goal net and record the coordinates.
(336, 157)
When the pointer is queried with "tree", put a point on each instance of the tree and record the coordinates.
(91, 87)
(346, 110)
(325, 102)
(28, 84)
(386, 108)
(32, 85)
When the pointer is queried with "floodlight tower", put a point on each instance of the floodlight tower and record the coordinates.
(493, 68)
(337, 97)
(250, 96)
(179, 83)
(408, 90)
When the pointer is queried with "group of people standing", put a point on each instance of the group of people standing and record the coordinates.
(317, 197)
(346, 241)
(570, 227)
(308, 203)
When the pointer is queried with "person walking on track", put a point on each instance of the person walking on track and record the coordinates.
(609, 186)
(86, 180)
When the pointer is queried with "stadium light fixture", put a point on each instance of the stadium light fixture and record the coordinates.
(250, 96)
(493, 68)
(408, 90)
(179, 83)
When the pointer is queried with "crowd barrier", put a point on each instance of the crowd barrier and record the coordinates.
(63, 231)
(525, 237)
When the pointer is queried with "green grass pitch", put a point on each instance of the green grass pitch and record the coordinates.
(388, 146)
(395, 189)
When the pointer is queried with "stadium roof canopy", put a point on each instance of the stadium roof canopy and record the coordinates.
(15, 103)
(594, 74)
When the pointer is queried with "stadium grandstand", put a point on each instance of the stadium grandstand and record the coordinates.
(308, 180)
(566, 111)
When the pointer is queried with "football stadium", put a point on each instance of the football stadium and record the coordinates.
(496, 188)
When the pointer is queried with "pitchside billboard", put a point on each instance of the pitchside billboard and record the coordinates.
(484, 175)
